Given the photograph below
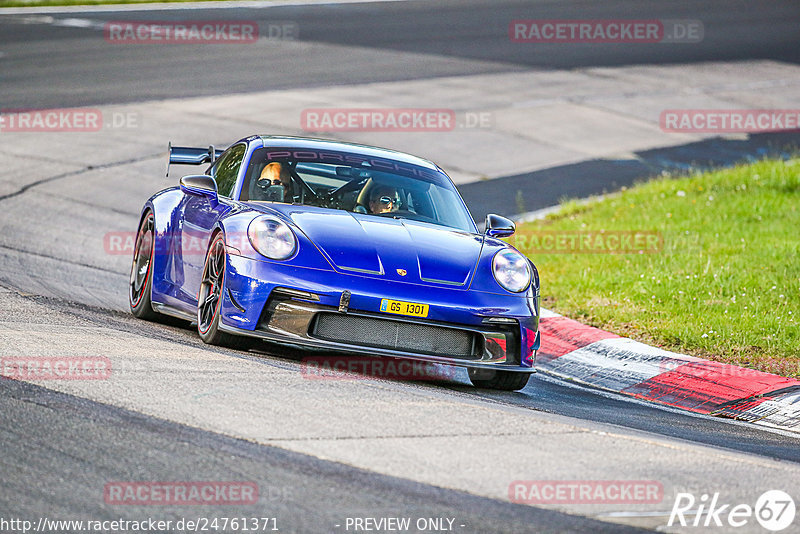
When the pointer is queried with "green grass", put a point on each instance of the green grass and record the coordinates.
(38, 3)
(724, 286)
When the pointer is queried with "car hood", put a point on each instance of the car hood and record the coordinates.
(396, 249)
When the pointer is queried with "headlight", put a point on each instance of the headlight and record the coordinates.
(272, 237)
(511, 270)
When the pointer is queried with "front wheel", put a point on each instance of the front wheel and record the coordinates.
(503, 380)
(209, 299)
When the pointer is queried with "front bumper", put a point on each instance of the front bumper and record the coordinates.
(286, 304)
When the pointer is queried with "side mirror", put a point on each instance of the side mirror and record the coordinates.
(497, 226)
(201, 185)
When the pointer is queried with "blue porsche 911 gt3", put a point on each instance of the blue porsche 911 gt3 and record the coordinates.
(337, 246)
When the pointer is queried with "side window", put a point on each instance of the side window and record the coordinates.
(226, 170)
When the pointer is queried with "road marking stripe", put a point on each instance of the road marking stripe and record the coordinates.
(170, 6)
(615, 363)
(778, 409)
(588, 355)
(704, 386)
(561, 335)
(547, 314)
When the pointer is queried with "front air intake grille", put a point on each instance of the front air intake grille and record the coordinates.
(394, 335)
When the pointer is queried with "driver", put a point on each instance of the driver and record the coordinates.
(383, 199)
(277, 174)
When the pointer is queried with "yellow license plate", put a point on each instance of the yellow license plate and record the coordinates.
(404, 308)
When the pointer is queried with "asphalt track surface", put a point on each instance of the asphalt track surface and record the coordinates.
(44, 64)
(88, 443)
(59, 450)
(543, 393)
(506, 195)
(305, 494)
(55, 66)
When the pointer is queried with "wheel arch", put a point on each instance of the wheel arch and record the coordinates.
(163, 205)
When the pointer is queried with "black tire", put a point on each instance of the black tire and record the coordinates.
(209, 299)
(503, 380)
(141, 280)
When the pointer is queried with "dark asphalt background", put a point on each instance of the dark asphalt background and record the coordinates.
(59, 452)
(51, 66)
(54, 66)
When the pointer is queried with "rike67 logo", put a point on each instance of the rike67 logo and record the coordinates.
(774, 510)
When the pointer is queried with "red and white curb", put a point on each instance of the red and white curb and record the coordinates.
(591, 356)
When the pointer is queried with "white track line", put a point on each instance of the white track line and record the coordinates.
(545, 375)
(169, 6)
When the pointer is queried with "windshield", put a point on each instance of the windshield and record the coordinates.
(357, 183)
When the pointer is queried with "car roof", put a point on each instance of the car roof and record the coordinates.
(327, 144)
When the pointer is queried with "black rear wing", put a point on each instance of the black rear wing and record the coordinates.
(184, 155)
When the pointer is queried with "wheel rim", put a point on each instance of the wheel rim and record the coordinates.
(208, 299)
(142, 259)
